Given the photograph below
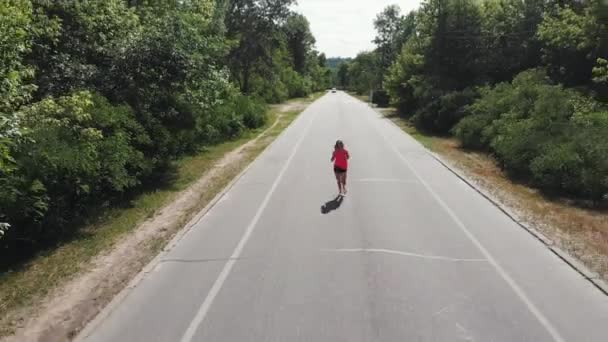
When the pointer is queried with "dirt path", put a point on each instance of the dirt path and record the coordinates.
(68, 308)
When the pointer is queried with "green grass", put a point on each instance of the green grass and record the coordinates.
(428, 141)
(29, 283)
(364, 98)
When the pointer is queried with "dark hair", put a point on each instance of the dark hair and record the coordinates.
(339, 144)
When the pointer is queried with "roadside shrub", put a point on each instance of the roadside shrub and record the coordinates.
(552, 137)
(515, 145)
(297, 85)
(380, 98)
(522, 135)
(15, 19)
(403, 79)
(470, 131)
(81, 42)
(577, 166)
(253, 111)
(403, 99)
(558, 167)
(590, 123)
(230, 118)
(226, 124)
(506, 100)
(76, 151)
(99, 98)
(442, 113)
(270, 90)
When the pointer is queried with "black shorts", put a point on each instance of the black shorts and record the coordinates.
(339, 170)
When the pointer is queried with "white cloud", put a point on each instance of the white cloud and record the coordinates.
(345, 27)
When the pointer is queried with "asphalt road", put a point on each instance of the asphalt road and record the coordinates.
(410, 254)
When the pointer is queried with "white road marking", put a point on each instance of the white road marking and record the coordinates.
(451, 306)
(444, 309)
(219, 282)
(389, 251)
(464, 333)
(514, 286)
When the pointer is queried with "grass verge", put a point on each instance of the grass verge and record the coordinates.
(364, 98)
(582, 232)
(22, 290)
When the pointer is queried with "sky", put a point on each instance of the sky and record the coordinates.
(344, 28)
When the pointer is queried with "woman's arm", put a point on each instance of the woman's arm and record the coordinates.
(333, 156)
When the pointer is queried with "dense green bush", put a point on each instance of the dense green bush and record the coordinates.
(252, 110)
(524, 81)
(271, 90)
(442, 113)
(297, 85)
(75, 150)
(551, 136)
(575, 165)
(80, 44)
(15, 42)
(231, 117)
(516, 98)
(99, 98)
(380, 98)
(573, 38)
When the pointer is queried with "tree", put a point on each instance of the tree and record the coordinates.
(388, 25)
(364, 72)
(253, 26)
(322, 60)
(299, 41)
(333, 63)
(342, 74)
(441, 58)
(101, 97)
(81, 51)
(452, 28)
(541, 132)
(468, 64)
(392, 31)
(508, 38)
(573, 40)
(16, 33)
(600, 71)
(404, 75)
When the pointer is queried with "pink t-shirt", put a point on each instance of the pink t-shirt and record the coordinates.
(341, 158)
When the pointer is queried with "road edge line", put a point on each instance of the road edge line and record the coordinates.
(570, 260)
(149, 267)
(501, 272)
(205, 306)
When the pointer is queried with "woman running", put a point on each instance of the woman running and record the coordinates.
(340, 158)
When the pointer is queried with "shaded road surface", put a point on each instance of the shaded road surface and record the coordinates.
(411, 254)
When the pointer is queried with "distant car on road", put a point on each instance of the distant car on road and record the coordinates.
(333, 90)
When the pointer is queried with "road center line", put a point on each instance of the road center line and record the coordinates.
(514, 286)
(219, 282)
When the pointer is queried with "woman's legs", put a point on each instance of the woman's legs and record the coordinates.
(339, 180)
(343, 182)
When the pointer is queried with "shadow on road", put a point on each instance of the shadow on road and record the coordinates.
(332, 205)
